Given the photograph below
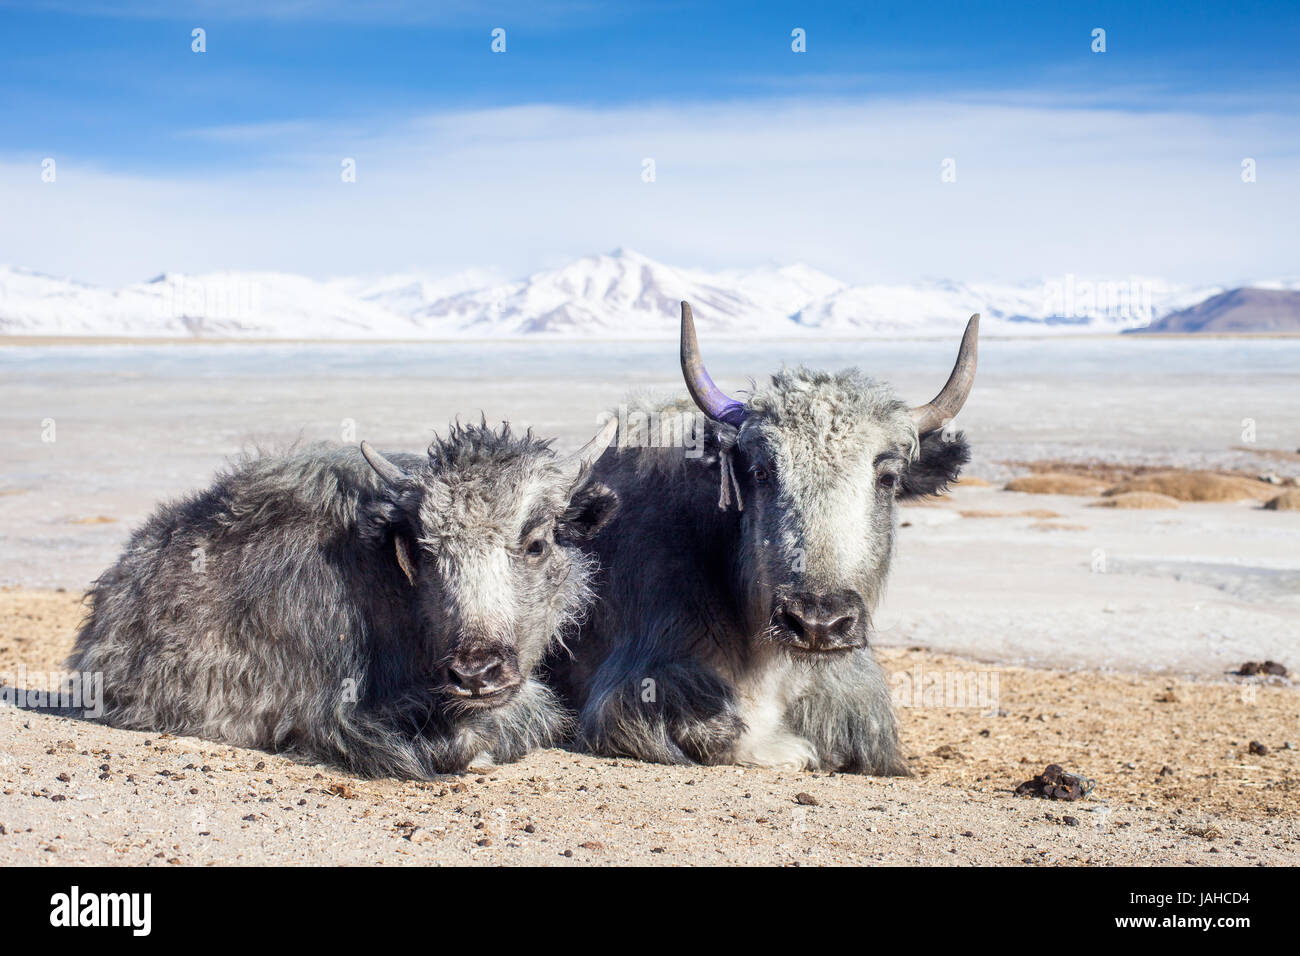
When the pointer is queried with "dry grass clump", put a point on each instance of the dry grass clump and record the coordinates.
(1056, 483)
(1136, 499)
(1027, 513)
(1197, 486)
(1286, 501)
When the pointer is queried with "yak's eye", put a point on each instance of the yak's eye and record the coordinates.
(537, 547)
(887, 480)
(761, 473)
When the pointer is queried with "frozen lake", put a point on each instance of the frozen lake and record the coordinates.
(132, 424)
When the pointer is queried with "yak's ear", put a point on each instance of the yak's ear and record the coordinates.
(589, 510)
(938, 463)
(403, 548)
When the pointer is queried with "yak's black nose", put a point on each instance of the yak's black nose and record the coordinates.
(482, 674)
(822, 622)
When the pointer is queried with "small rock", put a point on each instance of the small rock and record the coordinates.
(1257, 748)
(806, 800)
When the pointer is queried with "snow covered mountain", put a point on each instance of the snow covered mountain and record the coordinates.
(620, 295)
(627, 295)
(219, 304)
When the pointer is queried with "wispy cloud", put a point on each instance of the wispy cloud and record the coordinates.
(852, 187)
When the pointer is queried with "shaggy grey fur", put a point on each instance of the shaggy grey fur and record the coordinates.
(689, 655)
(272, 611)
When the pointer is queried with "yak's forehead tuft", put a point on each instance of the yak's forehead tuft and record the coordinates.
(483, 448)
(482, 487)
(836, 415)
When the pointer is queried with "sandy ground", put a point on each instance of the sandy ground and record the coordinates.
(1177, 782)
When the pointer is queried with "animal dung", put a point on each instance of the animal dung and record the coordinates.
(1269, 668)
(1055, 784)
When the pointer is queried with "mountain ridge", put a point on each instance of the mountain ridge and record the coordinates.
(1245, 309)
(622, 294)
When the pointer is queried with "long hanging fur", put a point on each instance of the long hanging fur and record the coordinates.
(270, 610)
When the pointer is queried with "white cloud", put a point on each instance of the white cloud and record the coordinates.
(849, 187)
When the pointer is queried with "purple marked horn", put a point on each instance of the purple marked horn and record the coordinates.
(944, 407)
(712, 400)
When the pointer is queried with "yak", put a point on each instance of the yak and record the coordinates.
(733, 618)
(384, 614)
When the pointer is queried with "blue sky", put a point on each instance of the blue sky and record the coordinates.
(229, 158)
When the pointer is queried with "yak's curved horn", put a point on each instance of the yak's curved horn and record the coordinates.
(945, 406)
(385, 469)
(590, 452)
(711, 399)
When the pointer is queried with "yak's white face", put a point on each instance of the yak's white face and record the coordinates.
(494, 525)
(821, 458)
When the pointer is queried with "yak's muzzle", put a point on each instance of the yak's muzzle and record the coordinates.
(820, 623)
(483, 675)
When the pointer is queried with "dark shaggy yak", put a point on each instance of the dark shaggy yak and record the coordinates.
(384, 615)
(734, 627)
